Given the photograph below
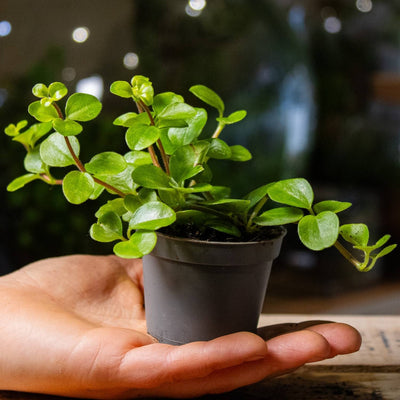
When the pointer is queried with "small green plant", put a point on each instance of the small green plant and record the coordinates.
(164, 180)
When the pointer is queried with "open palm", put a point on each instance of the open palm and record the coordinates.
(75, 326)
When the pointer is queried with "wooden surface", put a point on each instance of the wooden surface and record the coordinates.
(373, 373)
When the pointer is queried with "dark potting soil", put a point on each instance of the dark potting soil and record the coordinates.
(191, 231)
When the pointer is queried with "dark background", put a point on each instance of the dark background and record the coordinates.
(319, 79)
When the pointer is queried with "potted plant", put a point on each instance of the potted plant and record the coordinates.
(196, 241)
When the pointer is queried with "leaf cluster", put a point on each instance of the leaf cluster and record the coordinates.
(164, 178)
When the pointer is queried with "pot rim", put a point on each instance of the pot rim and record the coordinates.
(282, 234)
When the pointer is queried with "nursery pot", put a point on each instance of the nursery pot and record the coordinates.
(199, 290)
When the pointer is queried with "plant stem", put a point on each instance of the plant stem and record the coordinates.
(219, 129)
(143, 108)
(79, 163)
(346, 254)
(256, 210)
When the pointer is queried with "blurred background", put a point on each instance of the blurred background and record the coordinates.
(320, 80)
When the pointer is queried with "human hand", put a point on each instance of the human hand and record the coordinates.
(75, 326)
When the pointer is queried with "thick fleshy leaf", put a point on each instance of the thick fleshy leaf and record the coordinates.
(331, 205)
(34, 133)
(77, 186)
(279, 216)
(356, 234)
(21, 181)
(139, 244)
(208, 96)
(54, 150)
(142, 89)
(122, 181)
(82, 107)
(198, 188)
(151, 177)
(40, 90)
(229, 205)
(240, 153)
(319, 232)
(57, 90)
(67, 127)
(162, 100)
(14, 130)
(41, 112)
(116, 206)
(121, 89)
(107, 163)
(177, 111)
(233, 118)
(186, 160)
(108, 228)
(295, 192)
(136, 158)
(152, 216)
(33, 163)
(224, 226)
(257, 194)
(132, 203)
(126, 120)
(139, 137)
(186, 135)
(219, 149)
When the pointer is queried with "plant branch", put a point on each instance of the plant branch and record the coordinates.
(256, 210)
(142, 106)
(346, 254)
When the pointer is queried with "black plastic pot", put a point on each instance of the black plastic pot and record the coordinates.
(197, 290)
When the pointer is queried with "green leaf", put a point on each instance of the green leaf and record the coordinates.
(139, 137)
(33, 163)
(356, 234)
(151, 177)
(67, 127)
(126, 120)
(121, 89)
(122, 181)
(108, 228)
(279, 216)
(41, 112)
(21, 181)
(257, 194)
(54, 150)
(177, 111)
(233, 118)
(224, 226)
(186, 135)
(331, 205)
(162, 100)
(198, 188)
(186, 160)
(132, 203)
(34, 133)
(139, 244)
(77, 186)
(208, 96)
(219, 150)
(13, 130)
(142, 89)
(106, 163)
(40, 90)
(295, 192)
(230, 206)
(116, 206)
(319, 232)
(152, 216)
(82, 107)
(57, 91)
(385, 251)
(136, 158)
(240, 153)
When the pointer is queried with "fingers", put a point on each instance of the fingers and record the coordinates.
(163, 364)
(342, 338)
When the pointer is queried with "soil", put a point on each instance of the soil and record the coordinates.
(191, 231)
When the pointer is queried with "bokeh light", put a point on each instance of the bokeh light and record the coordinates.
(332, 25)
(80, 34)
(93, 85)
(131, 60)
(364, 5)
(5, 28)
